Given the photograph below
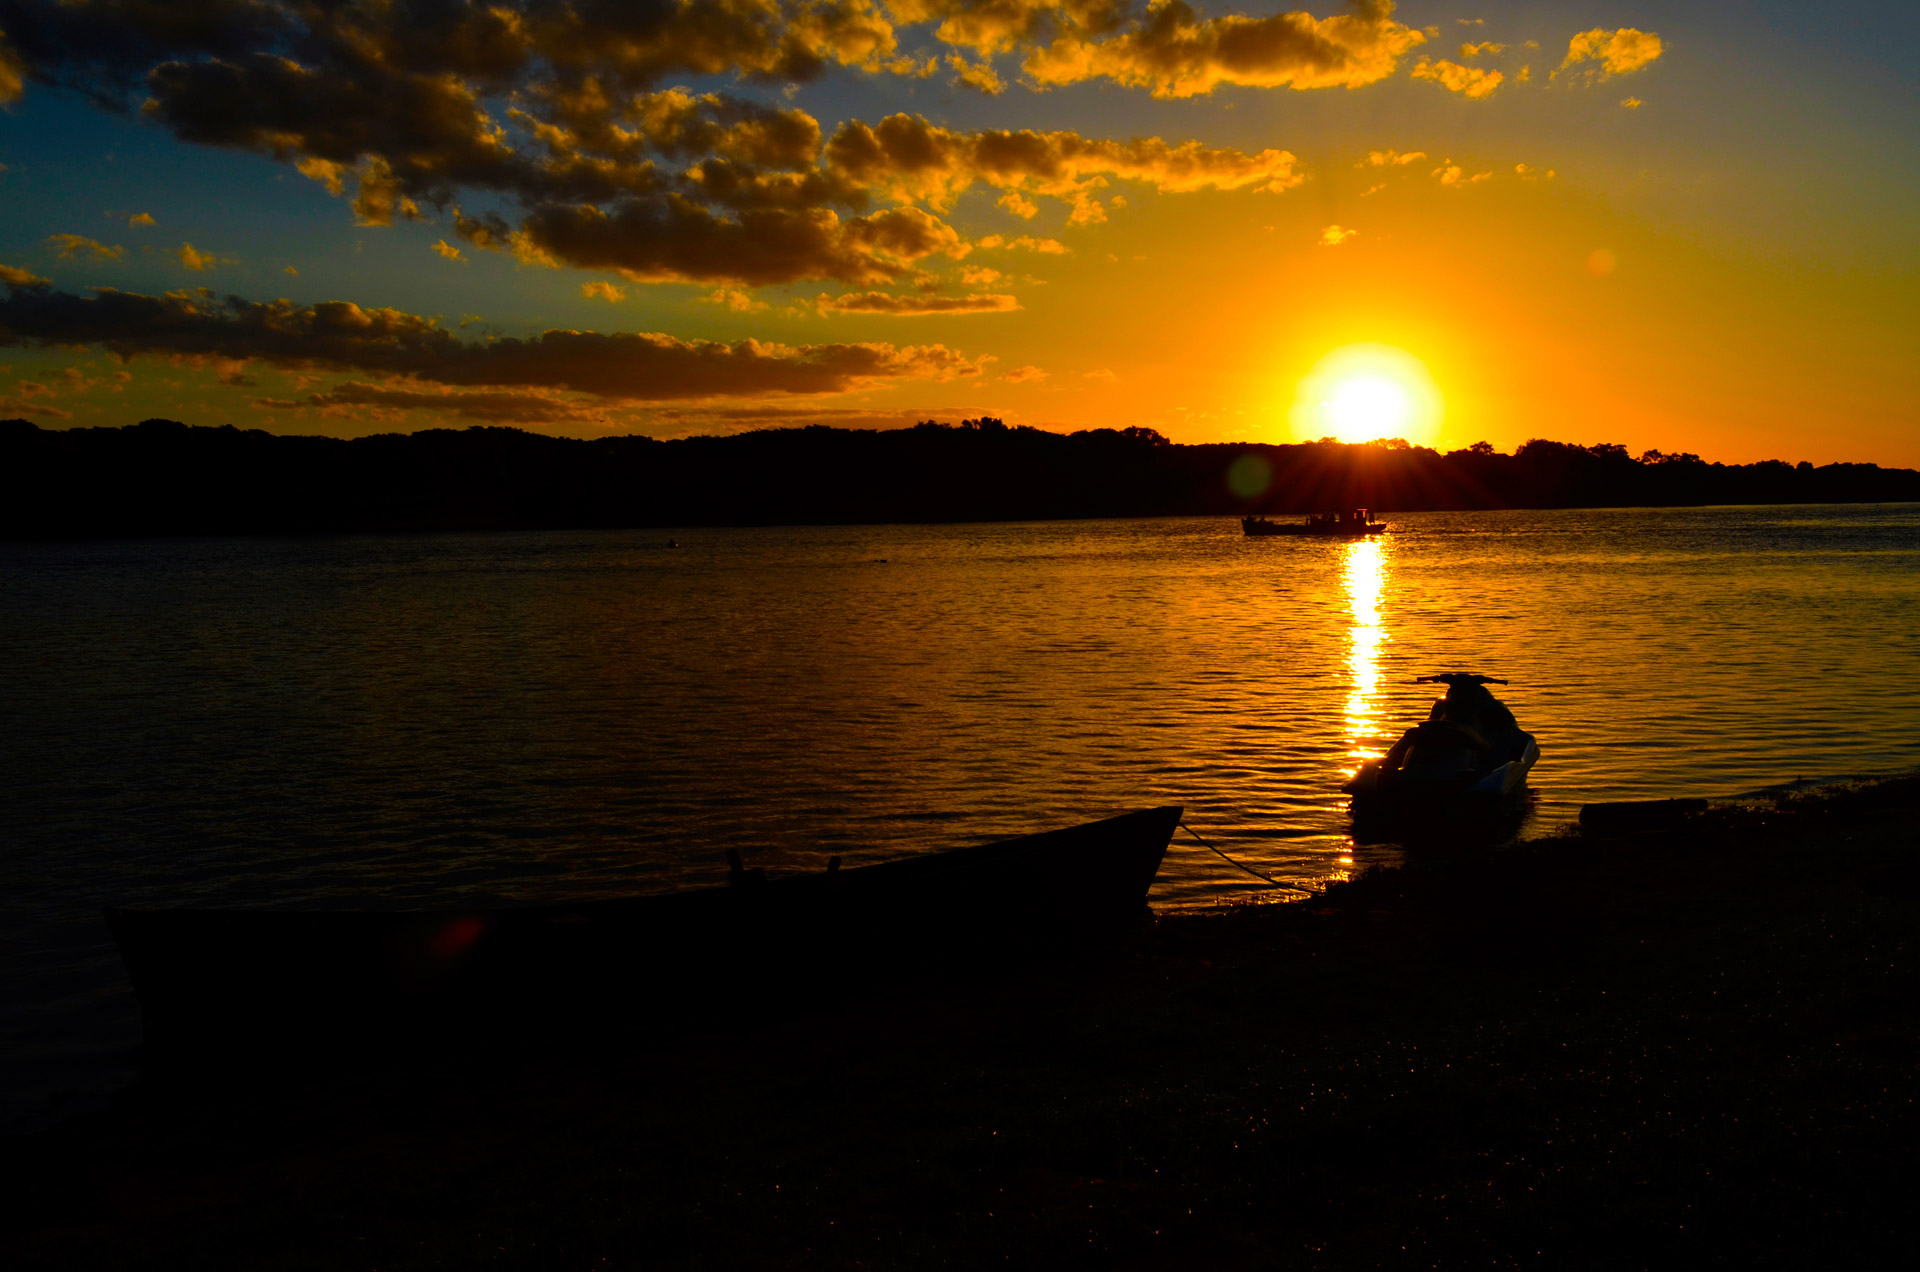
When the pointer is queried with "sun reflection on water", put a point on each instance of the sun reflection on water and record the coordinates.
(1364, 577)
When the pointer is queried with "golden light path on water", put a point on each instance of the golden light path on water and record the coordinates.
(1364, 577)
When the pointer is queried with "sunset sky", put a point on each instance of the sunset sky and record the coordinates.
(1688, 226)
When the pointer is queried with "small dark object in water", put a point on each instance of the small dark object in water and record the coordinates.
(738, 876)
(1354, 523)
(1640, 814)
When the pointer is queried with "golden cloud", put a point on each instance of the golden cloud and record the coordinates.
(731, 298)
(22, 401)
(197, 261)
(13, 277)
(1472, 81)
(70, 245)
(1394, 158)
(915, 306)
(602, 290)
(775, 231)
(910, 158)
(1025, 243)
(1452, 174)
(1174, 52)
(1018, 204)
(13, 73)
(976, 75)
(140, 218)
(1616, 52)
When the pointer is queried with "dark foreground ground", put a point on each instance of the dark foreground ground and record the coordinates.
(1586, 1052)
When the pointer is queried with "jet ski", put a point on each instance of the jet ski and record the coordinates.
(1467, 754)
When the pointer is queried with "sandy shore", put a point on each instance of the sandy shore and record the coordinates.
(1585, 1051)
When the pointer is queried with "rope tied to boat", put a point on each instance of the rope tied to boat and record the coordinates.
(1271, 882)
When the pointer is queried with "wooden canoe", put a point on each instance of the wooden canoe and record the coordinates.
(265, 976)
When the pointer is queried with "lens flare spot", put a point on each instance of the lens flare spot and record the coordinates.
(455, 937)
(1249, 475)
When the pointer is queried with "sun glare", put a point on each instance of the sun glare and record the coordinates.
(1368, 406)
(1365, 392)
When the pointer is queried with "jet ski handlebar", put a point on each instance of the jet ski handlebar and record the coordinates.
(1454, 680)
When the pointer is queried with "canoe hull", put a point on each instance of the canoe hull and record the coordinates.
(265, 975)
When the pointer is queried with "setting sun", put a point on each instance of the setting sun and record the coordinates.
(1366, 407)
(1365, 392)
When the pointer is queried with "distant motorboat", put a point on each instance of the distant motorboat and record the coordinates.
(245, 979)
(1468, 755)
(1352, 523)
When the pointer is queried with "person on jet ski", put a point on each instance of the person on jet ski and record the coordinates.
(1468, 703)
(1469, 746)
(1481, 729)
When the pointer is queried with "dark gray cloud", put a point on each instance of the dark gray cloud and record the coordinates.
(104, 48)
(353, 397)
(670, 421)
(676, 239)
(338, 335)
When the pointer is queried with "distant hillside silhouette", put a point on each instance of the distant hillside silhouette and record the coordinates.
(161, 477)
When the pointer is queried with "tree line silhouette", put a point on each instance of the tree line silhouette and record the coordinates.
(162, 477)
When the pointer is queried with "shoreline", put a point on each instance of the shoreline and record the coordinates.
(162, 477)
(1577, 1050)
(53, 1103)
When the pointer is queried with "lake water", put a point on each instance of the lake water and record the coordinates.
(402, 722)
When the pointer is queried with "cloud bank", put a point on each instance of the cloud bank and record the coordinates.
(547, 129)
(338, 335)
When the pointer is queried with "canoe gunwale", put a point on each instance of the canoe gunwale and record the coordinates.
(269, 973)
